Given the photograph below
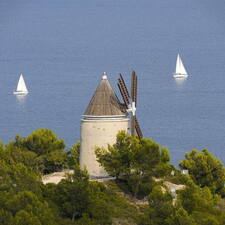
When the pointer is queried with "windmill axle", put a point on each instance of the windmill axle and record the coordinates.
(132, 108)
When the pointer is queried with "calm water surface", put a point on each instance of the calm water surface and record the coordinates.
(62, 48)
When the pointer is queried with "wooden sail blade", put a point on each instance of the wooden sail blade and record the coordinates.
(137, 128)
(132, 125)
(134, 87)
(123, 90)
(124, 85)
(135, 90)
(124, 96)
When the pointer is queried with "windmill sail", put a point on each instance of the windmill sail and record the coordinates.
(21, 86)
(180, 69)
(130, 102)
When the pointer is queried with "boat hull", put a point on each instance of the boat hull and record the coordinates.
(179, 75)
(20, 92)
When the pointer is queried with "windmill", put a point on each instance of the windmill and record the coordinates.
(130, 102)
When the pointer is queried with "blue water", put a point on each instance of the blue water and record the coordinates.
(63, 47)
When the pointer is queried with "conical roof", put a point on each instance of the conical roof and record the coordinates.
(104, 102)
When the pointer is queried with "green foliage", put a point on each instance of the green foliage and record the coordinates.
(193, 197)
(205, 170)
(88, 202)
(41, 141)
(26, 206)
(76, 200)
(21, 200)
(73, 155)
(41, 150)
(201, 204)
(20, 190)
(134, 160)
(160, 204)
(25, 218)
(15, 178)
(77, 197)
(120, 206)
(194, 206)
(117, 158)
(6, 217)
(14, 155)
(178, 178)
(181, 217)
(160, 207)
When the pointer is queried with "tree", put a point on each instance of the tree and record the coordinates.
(160, 207)
(70, 195)
(73, 155)
(181, 217)
(13, 155)
(193, 206)
(79, 199)
(25, 218)
(194, 198)
(29, 210)
(44, 146)
(205, 170)
(18, 177)
(41, 141)
(201, 204)
(134, 160)
(6, 217)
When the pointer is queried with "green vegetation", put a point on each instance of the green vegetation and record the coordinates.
(138, 195)
(205, 170)
(73, 155)
(135, 162)
(41, 150)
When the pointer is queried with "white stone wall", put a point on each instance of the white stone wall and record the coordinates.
(98, 131)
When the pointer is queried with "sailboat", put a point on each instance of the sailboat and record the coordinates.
(21, 87)
(180, 69)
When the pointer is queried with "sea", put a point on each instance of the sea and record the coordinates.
(62, 48)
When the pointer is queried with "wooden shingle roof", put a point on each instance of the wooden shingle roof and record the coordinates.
(104, 102)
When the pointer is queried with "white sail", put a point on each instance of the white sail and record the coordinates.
(180, 69)
(180, 66)
(21, 87)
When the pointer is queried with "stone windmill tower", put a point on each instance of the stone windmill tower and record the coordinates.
(102, 120)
